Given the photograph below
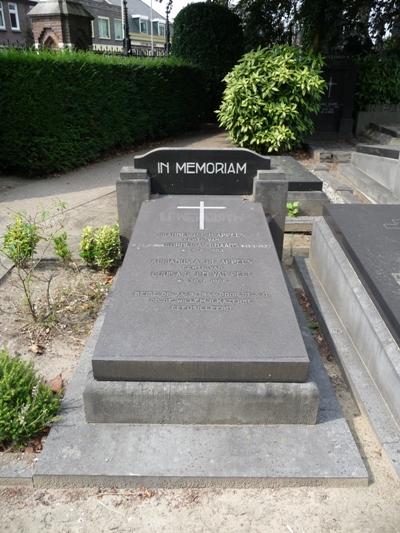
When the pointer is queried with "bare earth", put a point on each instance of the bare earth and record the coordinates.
(309, 509)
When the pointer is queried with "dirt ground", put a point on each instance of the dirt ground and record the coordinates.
(77, 295)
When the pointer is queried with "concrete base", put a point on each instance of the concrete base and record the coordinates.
(311, 202)
(81, 454)
(365, 346)
(141, 402)
(367, 186)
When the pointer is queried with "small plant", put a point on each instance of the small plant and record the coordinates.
(101, 247)
(21, 246)
(27, 405)
(20, 240)
(293, 209)
(61, 247)
(270, 98)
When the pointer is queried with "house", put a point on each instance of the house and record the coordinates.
(63, 23)
(15, 27)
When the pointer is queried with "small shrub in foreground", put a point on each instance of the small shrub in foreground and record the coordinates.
(101, 247)
(27, 405)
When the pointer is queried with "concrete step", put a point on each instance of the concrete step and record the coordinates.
(367, 186)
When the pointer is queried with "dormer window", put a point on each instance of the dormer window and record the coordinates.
(143, 25)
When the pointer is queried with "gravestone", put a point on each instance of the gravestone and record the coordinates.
(202, 171)
(219, 171)
(370, 237)
(335, 118)
(200, 297)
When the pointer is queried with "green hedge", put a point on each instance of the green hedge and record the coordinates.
(59, 111)
(378, 80)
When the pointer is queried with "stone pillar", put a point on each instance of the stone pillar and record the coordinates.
(133, 188)
(270, 188)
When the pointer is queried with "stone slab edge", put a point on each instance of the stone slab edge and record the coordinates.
(363, 388)
(275, 455)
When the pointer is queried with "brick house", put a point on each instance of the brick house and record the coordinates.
(106, 32)
(15, 27)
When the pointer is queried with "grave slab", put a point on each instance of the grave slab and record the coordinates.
(370, 237)
(201, 297)
(79, 454)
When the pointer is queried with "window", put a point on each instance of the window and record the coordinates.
(2, 19)
(14, 19)
(161, 29)
(104, 28)
(119, 34)
(143, 26)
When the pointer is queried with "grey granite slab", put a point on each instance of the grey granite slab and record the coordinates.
(392, 152)
(370, 237)
(194, 304)
(298, 176)
(80, 454)
(365, 388)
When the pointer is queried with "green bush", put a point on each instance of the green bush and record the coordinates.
(378, 80)
(20, 240)
(27, 405)
(61, 247)
(59, 111)
(101, 247)
(208, 35)
(270, 97)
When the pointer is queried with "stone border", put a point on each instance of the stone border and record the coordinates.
(124, 455)
(358, 335)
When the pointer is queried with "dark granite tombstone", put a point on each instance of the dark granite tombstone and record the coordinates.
(202, 171)
(217, 171)
(200, 296)
(335, 118)
(370, 236)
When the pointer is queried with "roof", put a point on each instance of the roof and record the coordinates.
(59, 7)
(138, 7)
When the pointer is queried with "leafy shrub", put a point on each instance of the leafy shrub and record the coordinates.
(270, 97)
(78, 106)
(87, 246)
(27, 405)
(20, 240)
(61, 247)
(378, 80)
(208, 35)
(101, 247)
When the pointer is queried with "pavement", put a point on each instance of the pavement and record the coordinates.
(88, 192)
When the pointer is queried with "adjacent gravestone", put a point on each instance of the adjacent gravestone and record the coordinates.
(370, 236)
(335, 118)
(200, 297)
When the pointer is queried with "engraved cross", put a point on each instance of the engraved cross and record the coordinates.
(330, 85)
(201, 209)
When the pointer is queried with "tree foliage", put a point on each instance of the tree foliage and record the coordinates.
(209, 36)
(270, 97)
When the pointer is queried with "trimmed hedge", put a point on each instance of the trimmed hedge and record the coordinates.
(62, 110)
(378, 80)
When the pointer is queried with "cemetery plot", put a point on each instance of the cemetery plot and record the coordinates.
(201, 297)
(370, 236)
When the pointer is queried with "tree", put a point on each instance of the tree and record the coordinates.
(267, 22)
(208, 35)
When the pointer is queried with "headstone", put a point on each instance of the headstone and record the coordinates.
(370, 237)
(335, 117)
(200, 296)
(202, 171)
(219, 171)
